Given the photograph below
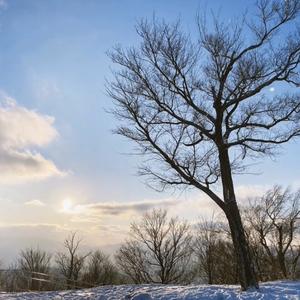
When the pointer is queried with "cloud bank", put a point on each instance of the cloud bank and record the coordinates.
(119, 208)
(35, 202)
(21, 131)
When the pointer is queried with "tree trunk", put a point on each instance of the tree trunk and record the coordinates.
(280, 254)
(244, 260)
(209, 268)
(282, 266)
(245, 266)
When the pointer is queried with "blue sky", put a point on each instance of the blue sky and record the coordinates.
(53, 63)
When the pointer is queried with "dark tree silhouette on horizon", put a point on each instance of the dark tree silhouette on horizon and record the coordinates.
(198, 109)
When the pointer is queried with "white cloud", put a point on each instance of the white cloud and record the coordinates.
(124, 212)
(21, 130)
(21, 127)
(33, 225)
(243, 192)
(35, 202)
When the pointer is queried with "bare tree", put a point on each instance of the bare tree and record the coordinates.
(131, 258)
(198, 109)
(275, 220)
(159, 252)
(11, 279)
(31, 262)
(215, 253)
(2, 271)
(207, 235)
(34, 260)
(71, 262)
(263, 266)
(100, 270)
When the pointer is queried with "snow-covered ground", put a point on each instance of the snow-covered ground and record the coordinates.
(268, 291)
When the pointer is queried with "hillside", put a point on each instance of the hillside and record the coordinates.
(268, 291)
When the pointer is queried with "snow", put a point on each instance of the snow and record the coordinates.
(276, 290)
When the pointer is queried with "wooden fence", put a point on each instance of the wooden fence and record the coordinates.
(25, 281)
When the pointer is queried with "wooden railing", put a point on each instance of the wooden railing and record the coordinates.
(26, 281)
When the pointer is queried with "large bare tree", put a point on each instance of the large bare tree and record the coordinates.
(199, 109)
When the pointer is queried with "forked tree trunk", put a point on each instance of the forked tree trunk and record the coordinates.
(247, 275)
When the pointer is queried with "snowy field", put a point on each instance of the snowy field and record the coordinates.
(268, 291)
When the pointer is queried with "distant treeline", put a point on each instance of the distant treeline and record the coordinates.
(167, 250)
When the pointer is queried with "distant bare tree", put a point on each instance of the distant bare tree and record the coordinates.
(131, 259)
(214, 250)
(30, 262)
(263, 267)
(11, 281)
(226, 270)
(24, 273)
(207, 235)
(71, 262)
(198, 109)
(159, 252)
(275, 220)
(1, 276)
(34, 260)
(99, 269)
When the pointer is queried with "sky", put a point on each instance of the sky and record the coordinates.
(61, 168)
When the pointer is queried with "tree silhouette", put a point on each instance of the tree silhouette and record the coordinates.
(198, 109)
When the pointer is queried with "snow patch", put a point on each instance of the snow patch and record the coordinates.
(277, 290)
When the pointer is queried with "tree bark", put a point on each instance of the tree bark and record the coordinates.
(282, 266)
(246, 269)
(247, 275)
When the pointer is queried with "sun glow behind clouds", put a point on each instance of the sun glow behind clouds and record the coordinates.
(67, 205)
